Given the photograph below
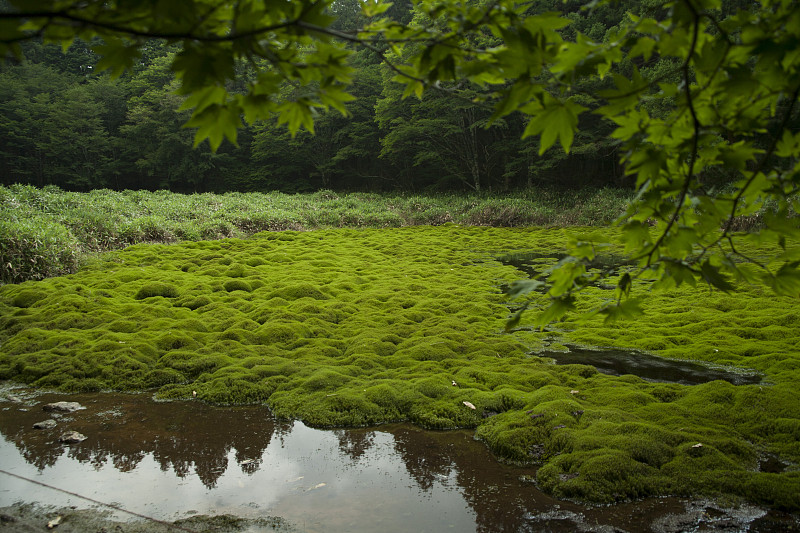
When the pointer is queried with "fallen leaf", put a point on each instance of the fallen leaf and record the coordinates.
(469, 405)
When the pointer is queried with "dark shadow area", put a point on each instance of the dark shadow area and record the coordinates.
(650, 367)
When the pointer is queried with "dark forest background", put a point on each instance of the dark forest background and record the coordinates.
(64, 124)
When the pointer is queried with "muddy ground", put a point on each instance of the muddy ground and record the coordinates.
(24, 517)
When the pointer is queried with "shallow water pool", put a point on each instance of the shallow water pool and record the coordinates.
(173, 460)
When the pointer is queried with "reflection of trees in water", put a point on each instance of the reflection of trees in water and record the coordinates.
(493, 491)
(40, 458)
(354, 442)
(422, 456)
(123, 429)
(189, 436)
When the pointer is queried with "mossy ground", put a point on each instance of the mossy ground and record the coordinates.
(358, 327)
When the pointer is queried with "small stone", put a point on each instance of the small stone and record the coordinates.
(698, 445)
(72, 437)
(574, 392)
(45, 424)
(468, 404)
(63, 407)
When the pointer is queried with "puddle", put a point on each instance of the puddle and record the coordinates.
(649, 367)
(175, 460)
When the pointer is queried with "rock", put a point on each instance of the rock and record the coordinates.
(63, 407)
(45, 424)
(72, 437)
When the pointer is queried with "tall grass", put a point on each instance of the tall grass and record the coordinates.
(45, 232)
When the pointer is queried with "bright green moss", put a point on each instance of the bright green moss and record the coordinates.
(361, 327)
(150, 290)
(296, 291)
(28, 297)
(237, 285)
(193, 302)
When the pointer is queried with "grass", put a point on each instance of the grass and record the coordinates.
(47, 232)
(352, 327)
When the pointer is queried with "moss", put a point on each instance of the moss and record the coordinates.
(299, 290)
(362, 327)
(237, 285)
(175, 341)
(150, 290)
(28, 297)
(193, 302)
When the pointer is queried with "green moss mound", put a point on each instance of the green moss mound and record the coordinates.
(358, 327)
(157, 289)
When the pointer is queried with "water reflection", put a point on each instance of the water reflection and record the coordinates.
(169, 460)
(124, 429)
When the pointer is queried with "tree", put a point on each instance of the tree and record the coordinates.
(723, 101)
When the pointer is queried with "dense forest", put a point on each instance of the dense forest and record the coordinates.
(62, 123)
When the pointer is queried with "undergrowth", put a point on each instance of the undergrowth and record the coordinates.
(47, 231)
(353, 327)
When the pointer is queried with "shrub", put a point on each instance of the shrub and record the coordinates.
(36, 249)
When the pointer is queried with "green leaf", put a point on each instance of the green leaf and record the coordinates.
(215, 122)
(373, 8)
(554, 119)
(624, 285)
(564, 275)
(514, 319)
(679, 272)
(296, 115)
(117, 56)
(787, 280)
(522, 287)
(681, 241)
(558, 308)
(207, 96)
(626, 309)
(712, 275)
